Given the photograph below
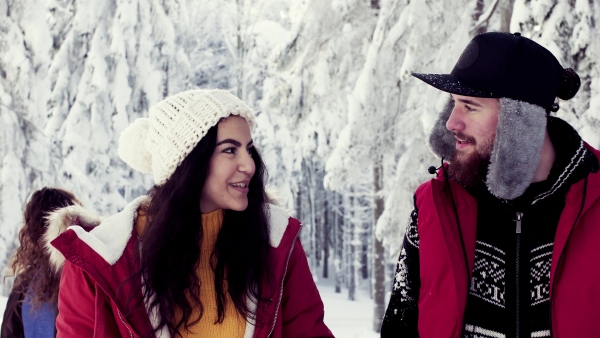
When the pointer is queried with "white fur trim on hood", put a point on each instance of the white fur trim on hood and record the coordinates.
(108, 238)
(278, 222)
(59, 221)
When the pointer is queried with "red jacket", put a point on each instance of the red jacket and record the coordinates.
(574, 280)
(93, 298)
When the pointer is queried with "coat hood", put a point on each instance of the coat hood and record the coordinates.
(59, 221)
(109, 236)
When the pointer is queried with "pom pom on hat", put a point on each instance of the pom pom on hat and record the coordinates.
(132, 146)
(568, 85)
(158, 144)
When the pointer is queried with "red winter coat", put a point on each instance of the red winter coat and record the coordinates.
(574, 278)
(98, 261)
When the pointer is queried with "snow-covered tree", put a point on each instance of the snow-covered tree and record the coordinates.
(568, 28)
(25, 159)
(74, 74)
(342, 125)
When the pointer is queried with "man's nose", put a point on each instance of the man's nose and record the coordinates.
(455, 121)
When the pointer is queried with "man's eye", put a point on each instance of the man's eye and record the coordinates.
(469, 108)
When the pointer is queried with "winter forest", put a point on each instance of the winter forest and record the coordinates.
(341, 123)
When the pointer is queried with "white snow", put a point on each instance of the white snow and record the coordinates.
(345, 318)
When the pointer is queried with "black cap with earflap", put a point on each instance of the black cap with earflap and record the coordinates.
(507, 65)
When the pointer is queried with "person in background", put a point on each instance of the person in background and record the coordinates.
(204, 254)
(503, 242)
(32, 305)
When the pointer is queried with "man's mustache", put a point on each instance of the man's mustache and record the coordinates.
(464, 137)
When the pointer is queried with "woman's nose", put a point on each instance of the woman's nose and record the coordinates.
(247, 164)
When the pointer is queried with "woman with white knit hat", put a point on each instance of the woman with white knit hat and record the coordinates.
(204, 254)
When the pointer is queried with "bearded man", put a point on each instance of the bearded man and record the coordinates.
(503, 242)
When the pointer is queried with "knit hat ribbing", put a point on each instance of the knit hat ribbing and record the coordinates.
(159, 143)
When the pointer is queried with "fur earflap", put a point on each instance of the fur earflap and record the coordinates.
(59, 221)
(441, 140)
(517, 148)
(132, 146)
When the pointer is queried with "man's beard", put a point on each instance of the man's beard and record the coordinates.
(471, 170)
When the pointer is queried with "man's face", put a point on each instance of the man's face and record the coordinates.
(473, 122)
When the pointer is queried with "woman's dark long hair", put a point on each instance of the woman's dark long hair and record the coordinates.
(171, 243)
(31, 264)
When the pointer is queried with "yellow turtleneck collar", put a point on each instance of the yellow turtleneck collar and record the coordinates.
(233, 325)
(211, 225)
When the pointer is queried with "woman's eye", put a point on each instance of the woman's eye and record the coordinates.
(229, 150)
(250, 150)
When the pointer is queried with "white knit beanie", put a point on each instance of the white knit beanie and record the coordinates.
(158, 144)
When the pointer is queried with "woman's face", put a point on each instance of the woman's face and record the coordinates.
(231, 168)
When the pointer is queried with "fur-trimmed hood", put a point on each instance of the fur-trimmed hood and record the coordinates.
(517, 146)
(59, 221)
(109, 236)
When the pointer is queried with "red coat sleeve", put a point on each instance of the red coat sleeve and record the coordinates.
(76, 303)
(302, 307)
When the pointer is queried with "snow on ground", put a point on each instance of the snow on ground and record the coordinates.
(347, 319)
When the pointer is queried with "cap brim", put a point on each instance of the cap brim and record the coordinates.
(451, 84)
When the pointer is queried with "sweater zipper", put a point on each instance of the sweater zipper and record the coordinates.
(517, 272)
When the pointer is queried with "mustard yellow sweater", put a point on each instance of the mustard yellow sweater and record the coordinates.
(233, 325)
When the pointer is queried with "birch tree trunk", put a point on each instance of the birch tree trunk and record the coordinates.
(351, 260)
(326, 229)
(378, 267)
(506, 12)
(239, 74)
(309, 174)
(339, 241)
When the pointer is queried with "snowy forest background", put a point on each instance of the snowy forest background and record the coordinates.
(341, 123)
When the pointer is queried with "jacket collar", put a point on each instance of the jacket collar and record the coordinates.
(108, 237)
(466, 211)
(580, 198)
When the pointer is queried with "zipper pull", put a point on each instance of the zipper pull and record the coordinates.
(518, 220)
